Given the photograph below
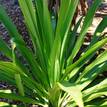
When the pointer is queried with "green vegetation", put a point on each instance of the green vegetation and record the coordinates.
(52, 75)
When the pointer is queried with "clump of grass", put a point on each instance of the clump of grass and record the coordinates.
(53, 78)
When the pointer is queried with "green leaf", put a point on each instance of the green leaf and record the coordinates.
(35, 67)
(10, 26)
(10, 69)
(5, 49)
(95, 91)
(19, 84)
(64, 22)
(68, 43)
(86, 24)
(19, 98)
(31, 22)
(73, 37)
(85, 57)
(101, 102)
(14, 34)
(74, 91)
(98, 33)
(4, 104)
(93, 69)
(63, 25)
(44, 27)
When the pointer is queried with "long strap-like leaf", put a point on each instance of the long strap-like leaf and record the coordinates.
(5, 49)
(86, 24)
(85, 57)
(67, 8)
(31, 22)
(97, 35)
(19, 98)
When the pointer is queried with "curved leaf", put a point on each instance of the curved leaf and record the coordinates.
(74, 91)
